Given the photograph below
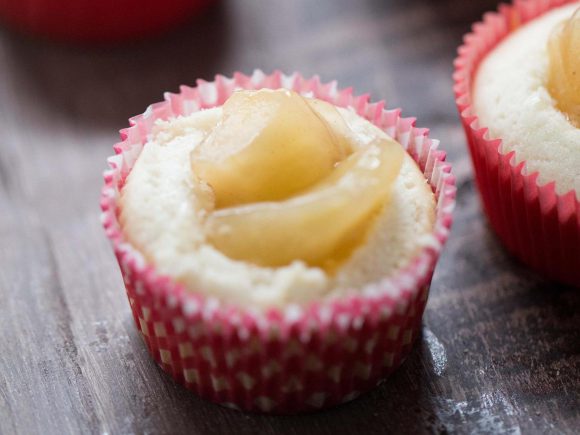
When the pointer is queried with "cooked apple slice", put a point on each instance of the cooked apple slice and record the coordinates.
(337, 125)
(269, 145)
(564, 67)
(319, 227)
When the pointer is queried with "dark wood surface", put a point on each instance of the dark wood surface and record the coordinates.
(500, 349)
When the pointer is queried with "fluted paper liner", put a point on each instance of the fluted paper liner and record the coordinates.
(280, 360)
(539, 226)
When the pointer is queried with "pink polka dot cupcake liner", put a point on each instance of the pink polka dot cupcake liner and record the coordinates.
(537, 225)
(298, 358)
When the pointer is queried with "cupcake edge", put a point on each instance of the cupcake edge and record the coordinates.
(537, 225)
(278, 360)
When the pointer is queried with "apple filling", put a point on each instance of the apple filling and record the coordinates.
(564, 67)
(288, 182)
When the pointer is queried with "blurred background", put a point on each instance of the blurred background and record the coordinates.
(498, 352)
(67, 88)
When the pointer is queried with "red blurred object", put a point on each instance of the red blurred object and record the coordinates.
(97, 20)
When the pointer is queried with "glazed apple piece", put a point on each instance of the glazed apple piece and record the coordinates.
(564, 67)
(269, 145)
(319, 227)
(337, 125)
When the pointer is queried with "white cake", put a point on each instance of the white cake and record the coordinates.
(161, 216)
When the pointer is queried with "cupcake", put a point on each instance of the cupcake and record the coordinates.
(517, 85)
(277, 238)
(96, 21)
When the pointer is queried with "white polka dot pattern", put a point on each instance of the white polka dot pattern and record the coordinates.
(298, 358)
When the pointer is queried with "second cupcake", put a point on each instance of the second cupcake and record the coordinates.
(518, 92)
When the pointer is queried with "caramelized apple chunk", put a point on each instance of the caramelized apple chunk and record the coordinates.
(320, 226)
(269, 145)
(336, 124)
(564, 67)
(286, 182)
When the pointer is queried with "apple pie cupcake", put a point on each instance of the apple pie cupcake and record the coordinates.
(517, 84)
(277, 237)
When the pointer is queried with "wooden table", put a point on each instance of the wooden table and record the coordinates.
(500, 350)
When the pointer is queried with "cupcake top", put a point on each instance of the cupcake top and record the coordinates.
(526, 93)
(275, 199)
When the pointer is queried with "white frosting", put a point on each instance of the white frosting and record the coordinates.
(511, 99)
(160, 214)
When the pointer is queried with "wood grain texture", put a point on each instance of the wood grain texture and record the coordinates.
(500, 350)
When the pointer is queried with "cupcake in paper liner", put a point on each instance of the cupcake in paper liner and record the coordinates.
(517, 87)
(277, 237)
(97, 21)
